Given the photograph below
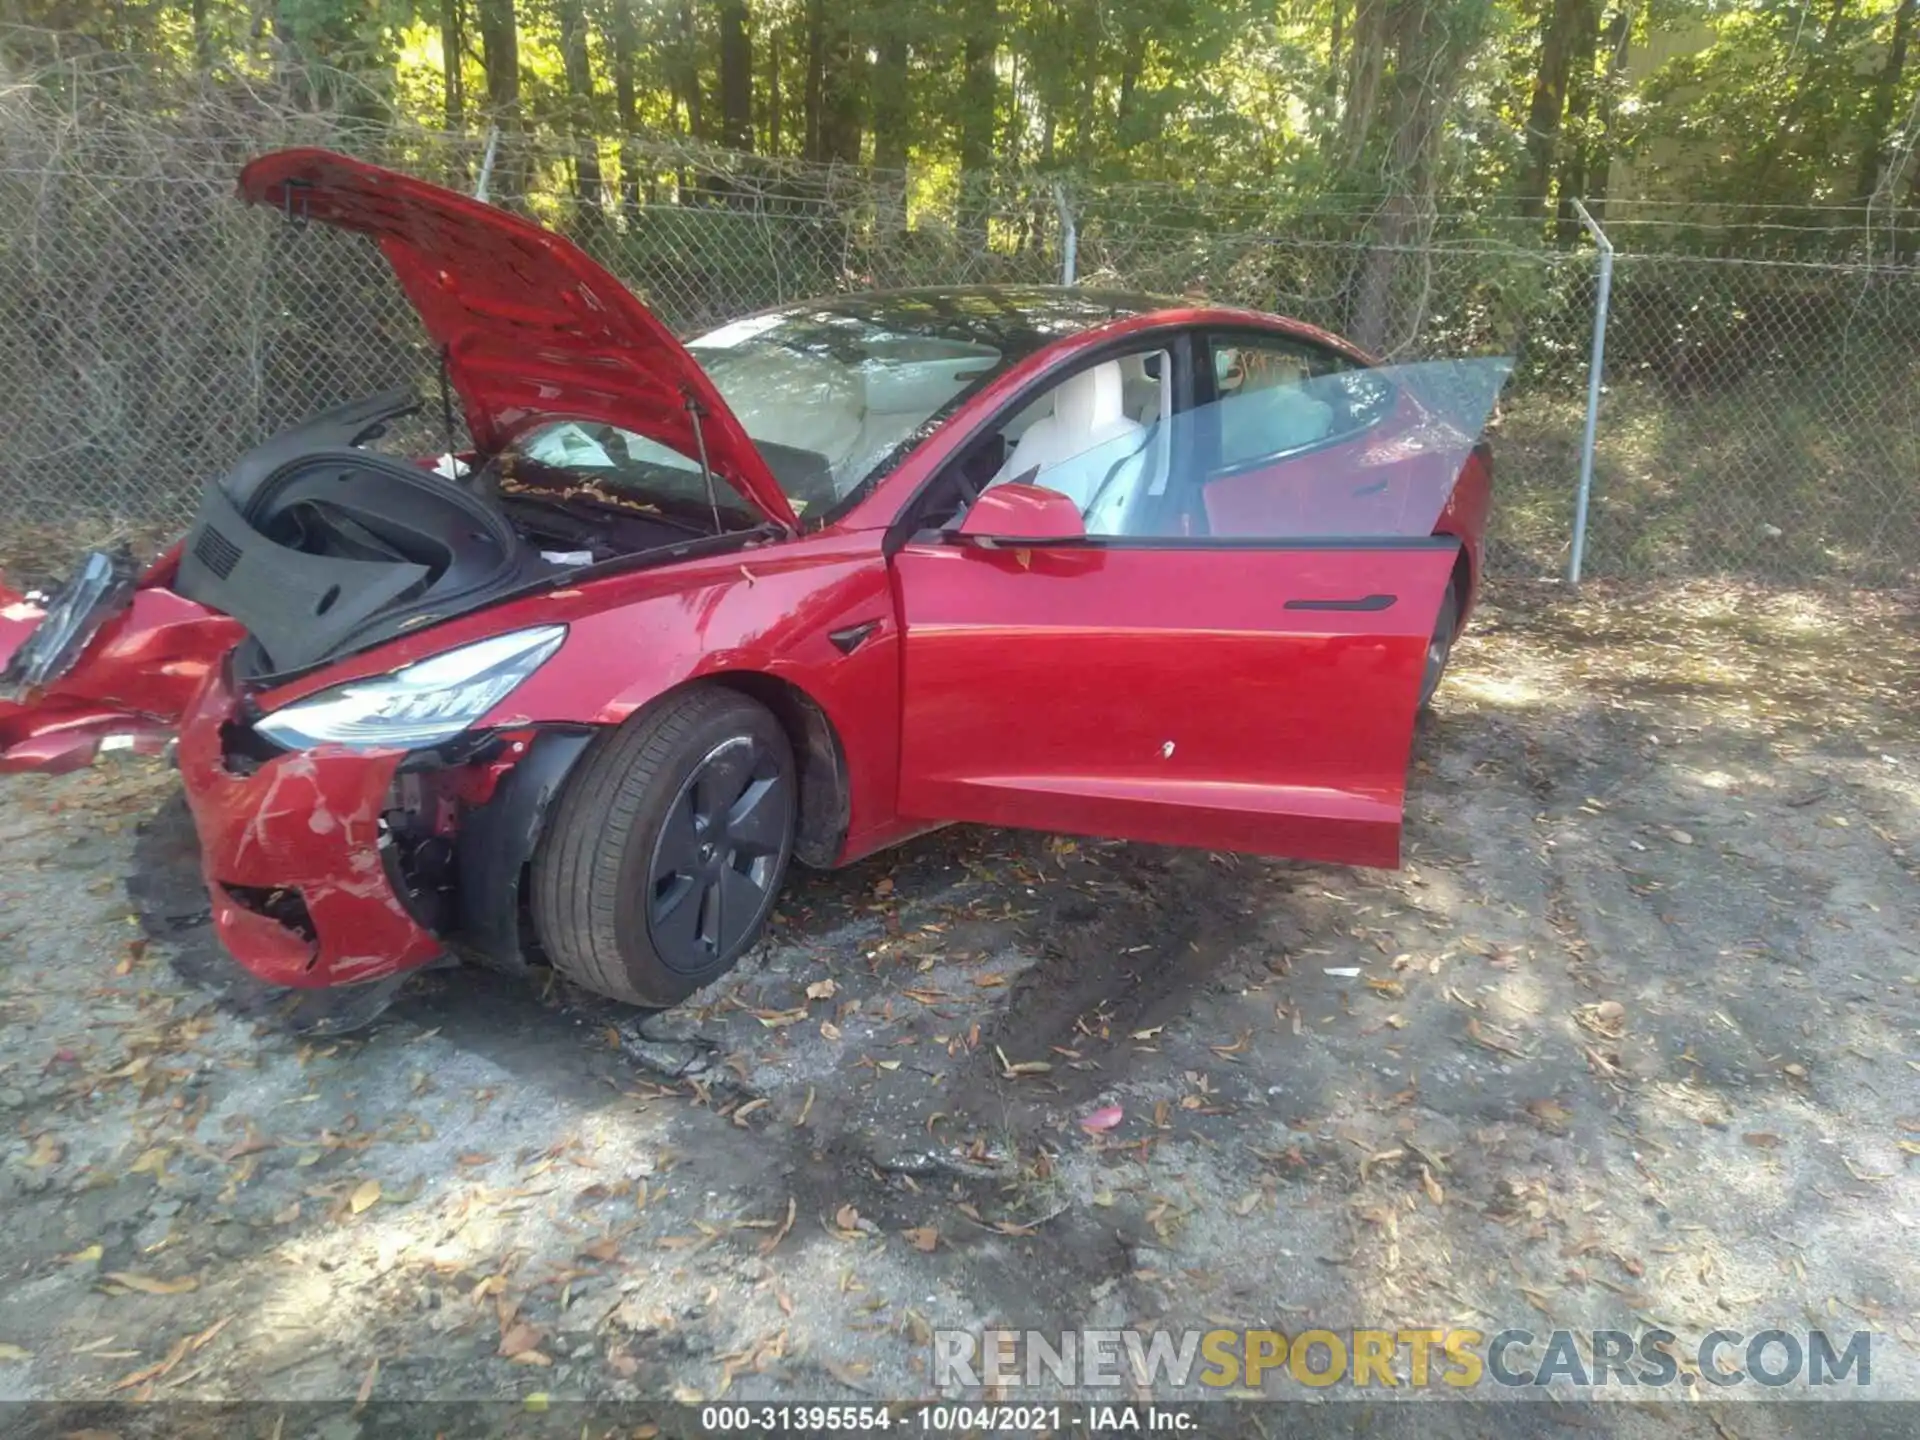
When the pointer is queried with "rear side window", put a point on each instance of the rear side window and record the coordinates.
(1276, 397)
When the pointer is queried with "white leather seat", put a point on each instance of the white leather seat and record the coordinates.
(1087, 447)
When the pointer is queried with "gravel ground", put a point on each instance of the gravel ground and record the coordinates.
(1633, 1039)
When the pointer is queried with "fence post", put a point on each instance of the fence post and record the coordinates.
(1595, 367)
(1069, 236)
(486, 164)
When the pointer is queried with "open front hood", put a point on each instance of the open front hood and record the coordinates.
(530, 326)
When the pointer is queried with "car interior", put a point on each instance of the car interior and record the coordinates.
(823, 427)
(1101, 437)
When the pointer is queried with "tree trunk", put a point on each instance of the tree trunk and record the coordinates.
(1333, 50)
(892, 100)
(453, 50)
(1886, 89)
(1428, 61)
(776, 106)
(500, 55)
(626, 102)
(736, 76)
(1130, 72)
(1580, 94)
(1619, 42)
(1548, 103)
(834, 83)
(813, 90)
(979, 102)
(686, 71)
(1366, 63)
(892, 116)
(580, 104)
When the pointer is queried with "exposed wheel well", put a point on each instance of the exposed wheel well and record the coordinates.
(1462, 581)
(821, 828)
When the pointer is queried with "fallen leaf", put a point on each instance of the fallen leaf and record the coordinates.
(822, 990)
(848, 1374)
(148, 1285)
(364, 1196)
(84, 1257)
(1550, 1113)
(772, 1242)
(1379, 1158)
(1762, 1139)
(365, 1392)
(1105, 1118)
(740, 1115)
(519, 1339)
(1432, 1186)
(46, 1151)
(846, 1217)
(924, 1238)
(1680, 837)
(13, 1352)
(1247, 1203)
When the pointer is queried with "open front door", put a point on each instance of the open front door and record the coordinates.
(1183, 693)
(1239, 677)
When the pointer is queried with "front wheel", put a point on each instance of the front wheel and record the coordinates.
(668, 848)
(1446, 627)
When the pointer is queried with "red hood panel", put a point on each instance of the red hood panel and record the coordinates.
(530, 325)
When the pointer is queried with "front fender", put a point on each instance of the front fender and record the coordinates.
(770, 613)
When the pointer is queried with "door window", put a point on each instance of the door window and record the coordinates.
(1277, 397)
(1101, 437)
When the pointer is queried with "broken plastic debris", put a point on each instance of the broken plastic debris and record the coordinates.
(567, 557)
(1344, 972)
(451, 466)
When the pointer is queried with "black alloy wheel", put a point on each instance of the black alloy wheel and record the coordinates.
(665, 851)
(719, 854)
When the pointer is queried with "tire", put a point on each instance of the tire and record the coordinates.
(1446, 628)
(635, 892)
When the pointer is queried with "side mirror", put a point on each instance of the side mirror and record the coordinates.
(1015, 514)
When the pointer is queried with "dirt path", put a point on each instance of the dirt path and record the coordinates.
(1633, 1039)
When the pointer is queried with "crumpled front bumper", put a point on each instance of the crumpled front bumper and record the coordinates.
(307, 822)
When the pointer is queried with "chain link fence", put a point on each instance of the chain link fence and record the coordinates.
(1761, 416)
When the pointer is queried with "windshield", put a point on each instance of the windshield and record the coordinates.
(828, 397)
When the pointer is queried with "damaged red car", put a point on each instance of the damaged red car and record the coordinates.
(799, 588)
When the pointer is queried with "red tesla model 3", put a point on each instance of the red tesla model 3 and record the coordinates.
(802, 587)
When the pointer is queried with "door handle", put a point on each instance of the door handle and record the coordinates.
(1364, 602)
(850, 639)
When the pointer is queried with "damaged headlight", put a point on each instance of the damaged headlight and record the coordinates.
(420, 704)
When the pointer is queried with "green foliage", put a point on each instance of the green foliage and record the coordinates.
(1736, 101)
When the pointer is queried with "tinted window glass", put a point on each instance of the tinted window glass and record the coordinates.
(829, 396)
(1277, 396)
